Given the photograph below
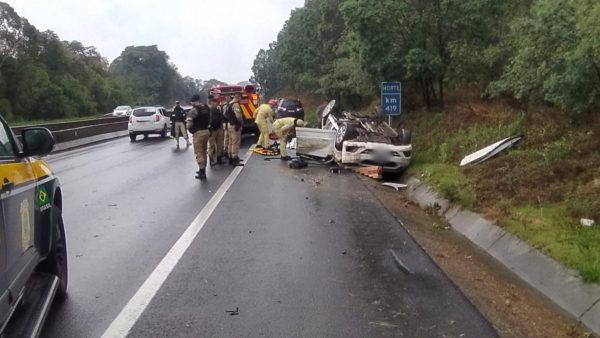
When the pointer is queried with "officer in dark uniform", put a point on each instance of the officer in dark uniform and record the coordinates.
(178, 119)
(198, 123)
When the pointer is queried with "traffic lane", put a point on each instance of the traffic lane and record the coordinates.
(125, 204)
(306, 254)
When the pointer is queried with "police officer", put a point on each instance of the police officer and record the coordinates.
(198, 123)
(215, 142)
(178, 120)
(224, 106)
(234, 129)
(264, 115)
(283, 128)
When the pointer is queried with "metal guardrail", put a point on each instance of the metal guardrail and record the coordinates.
(69, 131)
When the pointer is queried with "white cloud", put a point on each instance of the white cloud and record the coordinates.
(205, 39)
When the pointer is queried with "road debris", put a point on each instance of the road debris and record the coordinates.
(233, 312)
(586, 222)
(374, 172)
(335, 170)
(344, 252)
(298, 163)
(490, 151)
(400, 264)
(396, 186)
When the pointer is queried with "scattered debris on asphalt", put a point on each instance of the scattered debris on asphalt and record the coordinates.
(586, 222)
(335, 170)
(374, 172)
(331, 221)
(113, 205)
(298, 163)
(344, 252)
(490, 151)
(400, 264)
(396, 186)
(234, 312)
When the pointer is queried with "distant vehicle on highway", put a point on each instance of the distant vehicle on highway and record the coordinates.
(33, 252)
(290, 108)
(148, 120)
(122, 111)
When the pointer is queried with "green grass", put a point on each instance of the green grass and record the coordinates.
(553, 229)
(441, 140)
(446, 179)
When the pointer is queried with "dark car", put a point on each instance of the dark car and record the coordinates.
(33, 253)
(290, 108)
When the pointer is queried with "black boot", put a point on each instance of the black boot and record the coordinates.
(201, 175)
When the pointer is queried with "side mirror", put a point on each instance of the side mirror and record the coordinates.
(37, 141)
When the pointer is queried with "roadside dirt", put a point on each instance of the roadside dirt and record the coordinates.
(513, 307)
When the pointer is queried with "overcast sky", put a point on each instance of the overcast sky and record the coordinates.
(205, 39)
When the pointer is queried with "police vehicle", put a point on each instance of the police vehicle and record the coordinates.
(33, 253)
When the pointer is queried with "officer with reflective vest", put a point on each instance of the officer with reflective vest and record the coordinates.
(215, 142)
(235, 120)
(198, 123)
(264, 116)
(284, 128)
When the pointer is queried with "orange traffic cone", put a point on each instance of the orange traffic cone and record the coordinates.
(375, 172)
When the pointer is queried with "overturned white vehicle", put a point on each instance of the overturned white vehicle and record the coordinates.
(354, 139)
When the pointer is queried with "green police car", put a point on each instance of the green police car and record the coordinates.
(33, 254)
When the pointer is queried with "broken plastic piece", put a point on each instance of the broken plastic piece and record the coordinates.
(586, 222)
(491, 150)
(396, 186)
(375, 172)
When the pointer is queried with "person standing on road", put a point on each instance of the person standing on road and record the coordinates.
(235, 120)
(178, 121)
(264, 116)
(224, 106)
(284, 129)
(215, 142)
(198, 123)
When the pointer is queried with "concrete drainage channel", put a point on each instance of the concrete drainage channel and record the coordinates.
(69, 135)
(562, 285)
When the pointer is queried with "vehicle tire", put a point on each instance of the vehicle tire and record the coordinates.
(406, 136)
(132, 137)
(345, 132)
(56, 261)
(163, 133)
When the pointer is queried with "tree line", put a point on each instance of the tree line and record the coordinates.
(530, 52)
(42, 77)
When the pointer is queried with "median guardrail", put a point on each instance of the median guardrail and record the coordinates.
(82, 130)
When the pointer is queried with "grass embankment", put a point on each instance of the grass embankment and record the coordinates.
(538, 190)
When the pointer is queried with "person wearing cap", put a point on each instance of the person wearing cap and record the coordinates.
(264, 116)
(224, 106)
(234, 121)
(178, 119)
(215, 142)
(284, 128)
(198, 124)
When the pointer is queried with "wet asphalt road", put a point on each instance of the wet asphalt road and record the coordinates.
(299, 253)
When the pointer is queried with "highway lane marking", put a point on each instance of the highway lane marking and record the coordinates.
(132, 311)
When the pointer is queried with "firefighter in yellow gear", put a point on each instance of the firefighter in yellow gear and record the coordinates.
(283, 128)
(264, 116)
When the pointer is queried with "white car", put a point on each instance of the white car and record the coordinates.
(148, 120)
(367, 141)
(122, 111)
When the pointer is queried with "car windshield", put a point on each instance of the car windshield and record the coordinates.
(144, 112)
(291, 104)
(122, 108)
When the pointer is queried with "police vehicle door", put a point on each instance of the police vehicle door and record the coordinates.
(17, 193)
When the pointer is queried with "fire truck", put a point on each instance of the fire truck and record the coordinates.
(249, 102)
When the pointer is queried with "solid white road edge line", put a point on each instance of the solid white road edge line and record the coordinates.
(125, 320)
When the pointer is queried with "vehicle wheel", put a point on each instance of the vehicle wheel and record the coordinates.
(132, 137)
(163, 133)
(56, 261)
(406, 136)
(345, 132)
